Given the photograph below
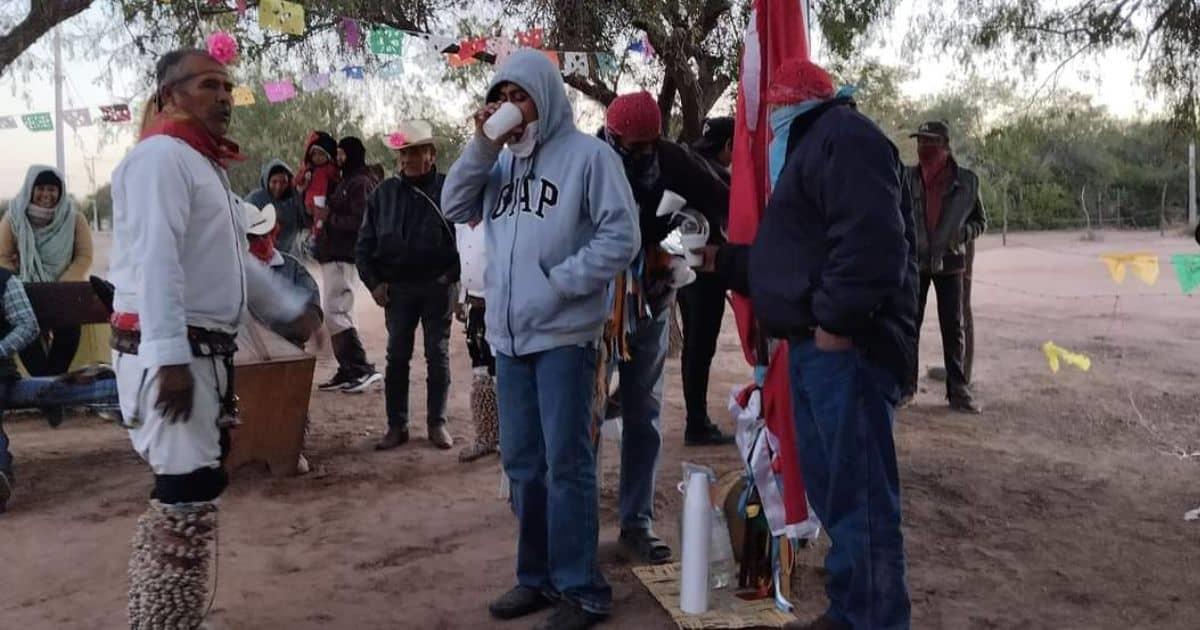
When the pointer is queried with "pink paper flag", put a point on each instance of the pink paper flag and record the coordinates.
(279, 91)
(352, 32)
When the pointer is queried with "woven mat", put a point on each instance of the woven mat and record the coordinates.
(725, 609)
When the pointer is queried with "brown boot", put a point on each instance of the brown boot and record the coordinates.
(393, 439)
(486, 417)
(440, 437)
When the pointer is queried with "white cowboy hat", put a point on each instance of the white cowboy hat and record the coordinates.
(259, 222)
(413, 133)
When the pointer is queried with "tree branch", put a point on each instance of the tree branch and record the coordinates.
(593, 89)
(43, 16)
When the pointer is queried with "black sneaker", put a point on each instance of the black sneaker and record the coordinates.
(518, 602)
(340, 381)
(54, 416)
(710, 435)
(570, 616)
(363, 383)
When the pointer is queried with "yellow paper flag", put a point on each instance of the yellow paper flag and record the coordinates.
(1056, 355)
(1143, 265)
(242, 95)
(281, 15)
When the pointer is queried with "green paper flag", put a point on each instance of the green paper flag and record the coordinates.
(41, 121)
(385, 40)
(1187, 269)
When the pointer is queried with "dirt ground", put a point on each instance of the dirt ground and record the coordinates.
(1060, 507)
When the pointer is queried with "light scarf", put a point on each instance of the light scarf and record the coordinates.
(45, 252)
(781, 122)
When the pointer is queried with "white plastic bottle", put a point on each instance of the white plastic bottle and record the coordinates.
(720, 553)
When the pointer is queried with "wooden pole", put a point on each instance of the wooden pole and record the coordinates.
(1083, 204)
(1162, 213)
(1004, 233)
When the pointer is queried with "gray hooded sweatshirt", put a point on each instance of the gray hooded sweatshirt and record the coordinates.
(560, 224)
(289, 211)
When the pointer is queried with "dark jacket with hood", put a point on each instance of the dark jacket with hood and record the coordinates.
(339, 235)
(835, 246)
(289, 211)
(404, 239)
(963, 220)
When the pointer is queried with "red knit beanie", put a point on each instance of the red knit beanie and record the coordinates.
(799, 80)
(635, 117)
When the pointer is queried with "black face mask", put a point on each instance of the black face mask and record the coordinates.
(642, 169)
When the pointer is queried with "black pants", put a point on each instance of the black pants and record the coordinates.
(55, 360)
(949, 289)
(702, 307)
(350, 354)
(968, 317)
(431, 307)
(477, 345)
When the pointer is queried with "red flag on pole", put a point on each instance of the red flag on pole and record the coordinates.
(776, 32)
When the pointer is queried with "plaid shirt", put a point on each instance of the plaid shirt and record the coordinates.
(19, 315)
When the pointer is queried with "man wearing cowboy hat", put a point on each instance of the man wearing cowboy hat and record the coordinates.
(407, 257)
(262, 231)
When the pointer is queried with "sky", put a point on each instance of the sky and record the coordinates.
(1108, 79)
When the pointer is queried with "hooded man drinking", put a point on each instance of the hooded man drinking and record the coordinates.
(560, 222)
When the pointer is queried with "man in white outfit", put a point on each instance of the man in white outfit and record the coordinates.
(184, 280)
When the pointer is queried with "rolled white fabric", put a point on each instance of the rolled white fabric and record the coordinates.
(697, 532)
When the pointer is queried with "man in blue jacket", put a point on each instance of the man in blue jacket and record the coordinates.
(560, 222)
(833, 270)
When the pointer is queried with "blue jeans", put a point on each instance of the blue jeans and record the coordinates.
(641, 418)
(545, 404)
(50, 392)
(844, 408)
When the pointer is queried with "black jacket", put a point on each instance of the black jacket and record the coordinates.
(835, 246)
(687, 174)
(963, 220)
(404, 238)
(337, 238)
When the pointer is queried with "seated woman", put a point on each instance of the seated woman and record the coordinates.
(44, 239)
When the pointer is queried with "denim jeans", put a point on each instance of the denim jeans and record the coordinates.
(35, 392)
(641, 391)
(546, 446)
(431, 307)
(844, 408)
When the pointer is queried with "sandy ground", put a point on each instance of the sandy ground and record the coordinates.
(1060, 507)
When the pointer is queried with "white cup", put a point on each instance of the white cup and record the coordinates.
(504, 120)
(693, 242)
(671, 203)
(319, 200)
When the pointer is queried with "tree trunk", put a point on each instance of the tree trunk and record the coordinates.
(666, 103)
(43, 16)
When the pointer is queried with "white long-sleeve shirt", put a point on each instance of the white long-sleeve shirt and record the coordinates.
(180, 256)
(472, 254)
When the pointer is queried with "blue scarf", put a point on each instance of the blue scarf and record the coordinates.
(781, 121)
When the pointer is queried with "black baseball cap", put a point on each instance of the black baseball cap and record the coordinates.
(717, 131)
(933, 129)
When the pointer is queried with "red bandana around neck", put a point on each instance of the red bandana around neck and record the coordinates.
(219, 150)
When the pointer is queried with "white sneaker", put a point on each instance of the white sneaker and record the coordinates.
(364, 383)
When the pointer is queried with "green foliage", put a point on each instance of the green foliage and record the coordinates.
(267, 131)
(1035, 161)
